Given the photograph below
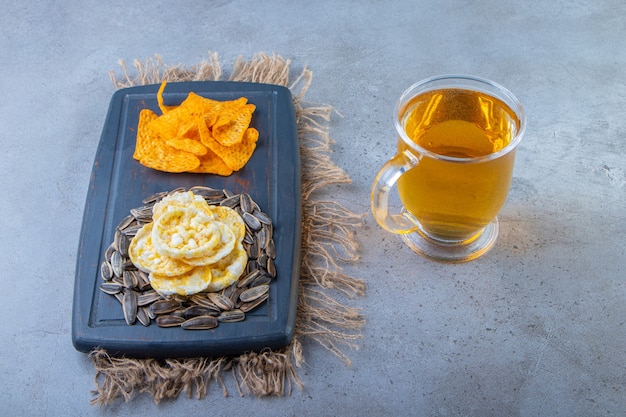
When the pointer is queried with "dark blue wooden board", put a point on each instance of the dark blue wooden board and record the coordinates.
(119, 183)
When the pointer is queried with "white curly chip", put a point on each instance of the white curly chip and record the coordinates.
(190, 246)
(192, 282)
(145, 257)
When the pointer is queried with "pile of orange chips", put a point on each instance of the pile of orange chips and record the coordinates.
(200, 135)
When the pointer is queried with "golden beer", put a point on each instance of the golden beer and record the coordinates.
(456, 188)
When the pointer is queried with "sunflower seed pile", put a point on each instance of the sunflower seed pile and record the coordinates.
(141, 303)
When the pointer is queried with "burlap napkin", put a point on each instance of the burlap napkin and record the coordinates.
(327, 244)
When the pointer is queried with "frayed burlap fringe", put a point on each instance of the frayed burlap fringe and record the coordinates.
(327, 242)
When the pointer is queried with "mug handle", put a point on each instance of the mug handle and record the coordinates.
(385, 180)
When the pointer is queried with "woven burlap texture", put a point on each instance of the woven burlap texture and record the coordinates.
(328, 243)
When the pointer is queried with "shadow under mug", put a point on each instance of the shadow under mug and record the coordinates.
(457, 137)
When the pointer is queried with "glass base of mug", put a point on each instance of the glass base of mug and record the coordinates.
(447, 251)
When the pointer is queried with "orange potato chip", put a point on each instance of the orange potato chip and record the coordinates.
(167, 125)
(241, 101)
(144, 135)
(209, 119)
(181, 119)
(221, 107)
(210, 163)
(189, 130)
(195, 107)
(236, 156)
(152, 152)
(187, 145)
(232, 123)
(163, 107)
(165, 158)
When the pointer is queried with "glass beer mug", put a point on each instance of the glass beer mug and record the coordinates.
(453, 166)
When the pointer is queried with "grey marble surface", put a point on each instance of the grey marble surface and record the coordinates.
(535, 328)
